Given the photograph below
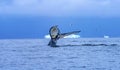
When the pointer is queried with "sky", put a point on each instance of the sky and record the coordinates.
(33, 18)
(61, 7)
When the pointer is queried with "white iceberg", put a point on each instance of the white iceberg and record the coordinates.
(70, 36)
(106, 36)
(47, 36)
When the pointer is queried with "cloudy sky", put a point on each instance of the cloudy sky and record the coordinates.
(61, 7)
(33, 18)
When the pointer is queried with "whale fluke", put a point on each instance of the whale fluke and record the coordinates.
(56, 35)
(67, 34)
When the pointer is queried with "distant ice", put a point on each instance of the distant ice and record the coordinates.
(106, 36)
(70, 36)
(47, 36)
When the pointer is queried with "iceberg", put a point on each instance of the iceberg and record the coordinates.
(47, 36)
(106, 36)
(70, 36)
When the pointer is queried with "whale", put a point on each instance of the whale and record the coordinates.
(55, 35)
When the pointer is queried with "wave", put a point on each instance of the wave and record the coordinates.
(70, 36)
(78, 45)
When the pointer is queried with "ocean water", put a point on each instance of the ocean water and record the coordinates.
(73, 54)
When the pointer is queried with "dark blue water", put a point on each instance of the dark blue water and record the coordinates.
(73, 54)
(38, 26)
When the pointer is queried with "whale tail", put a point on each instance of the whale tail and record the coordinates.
(56, 35)
(67, 34)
